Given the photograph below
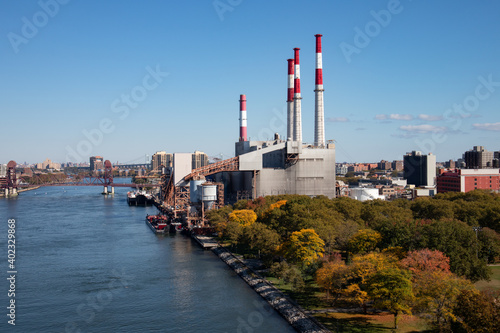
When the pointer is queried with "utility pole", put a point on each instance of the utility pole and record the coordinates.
(476, 229)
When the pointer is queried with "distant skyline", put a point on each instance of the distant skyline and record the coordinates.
(125, 79)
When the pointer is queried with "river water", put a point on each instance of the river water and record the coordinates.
(86, 262)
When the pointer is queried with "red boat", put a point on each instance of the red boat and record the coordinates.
(157, 223)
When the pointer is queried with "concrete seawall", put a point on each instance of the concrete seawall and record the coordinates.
(299, 320)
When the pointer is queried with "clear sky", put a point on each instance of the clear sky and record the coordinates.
(123, 79)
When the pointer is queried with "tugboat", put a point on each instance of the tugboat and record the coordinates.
(157, 223)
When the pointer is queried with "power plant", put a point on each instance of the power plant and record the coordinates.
(259, 168)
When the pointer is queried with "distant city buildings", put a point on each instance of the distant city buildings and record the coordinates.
(48, 164)
(419, 169)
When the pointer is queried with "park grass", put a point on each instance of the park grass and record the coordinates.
(493, 284)
(372, 323)
(312, 298)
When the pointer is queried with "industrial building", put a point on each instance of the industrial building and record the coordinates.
(285, 166)
(259, 168)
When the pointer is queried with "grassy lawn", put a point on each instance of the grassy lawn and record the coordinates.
(494, 284)
(309, 299)
(313, 299)
(378, 323)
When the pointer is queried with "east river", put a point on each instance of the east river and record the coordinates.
(85, 262)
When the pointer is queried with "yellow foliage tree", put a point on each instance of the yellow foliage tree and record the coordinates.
(244, 217)
(333, 277)
(364, 241)
(277, 205)
(304, 247)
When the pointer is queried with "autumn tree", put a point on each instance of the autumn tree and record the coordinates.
(218, 218)
(361, 270)
(436, 294)
(476, 312)
(333, 277)
(425, 260)
(391, 289)
(244, 217)
(303, 247)
(364, 241)
(434, 286)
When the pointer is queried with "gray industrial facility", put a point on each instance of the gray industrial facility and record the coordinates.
(280, 167)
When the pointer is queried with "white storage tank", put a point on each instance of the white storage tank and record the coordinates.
(365, 193)
(209, 193)
(194, 189)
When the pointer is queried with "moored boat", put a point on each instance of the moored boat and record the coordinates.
(139, 198)
(131, 198)
(157, 223)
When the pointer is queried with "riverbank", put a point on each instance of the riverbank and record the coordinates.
(291, 312)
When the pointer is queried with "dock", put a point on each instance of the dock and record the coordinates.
(206, 242)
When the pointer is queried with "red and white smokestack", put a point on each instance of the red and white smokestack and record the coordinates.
(289, 100)
(319, 111)
(243, 118)
(297, 103)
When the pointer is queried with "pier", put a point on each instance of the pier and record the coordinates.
(206, 242)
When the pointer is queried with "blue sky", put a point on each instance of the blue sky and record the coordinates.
(123, 79)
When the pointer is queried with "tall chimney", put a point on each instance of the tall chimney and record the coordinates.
(243, 118)
(297, 103)
(289, 100)
(319, 111)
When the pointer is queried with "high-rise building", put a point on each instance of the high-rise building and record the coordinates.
(200, 159)
(384, 165)
(161, 159)
(450, 164)
(420, 170)
(96, 163)
(478, 158)
(397, 165)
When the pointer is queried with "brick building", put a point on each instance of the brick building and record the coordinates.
(465, 180)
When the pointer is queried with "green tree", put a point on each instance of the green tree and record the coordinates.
(391, 289)
(458, 242)
(429, 208)
(288, 274)
(258, 236)
(489, 242)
